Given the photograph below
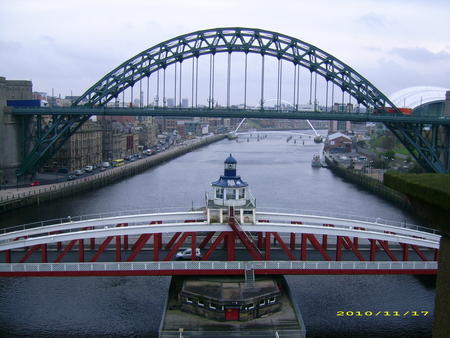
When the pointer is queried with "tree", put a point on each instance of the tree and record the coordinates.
(388, 143)
(389, 154)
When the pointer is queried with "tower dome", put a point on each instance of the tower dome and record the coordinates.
(230, 166)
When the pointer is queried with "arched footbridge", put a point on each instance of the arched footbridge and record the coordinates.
(264, 243)
(240, 67)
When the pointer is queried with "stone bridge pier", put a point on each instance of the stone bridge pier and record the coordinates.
(430, 197)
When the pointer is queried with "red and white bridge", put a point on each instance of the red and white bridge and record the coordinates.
(263, 243)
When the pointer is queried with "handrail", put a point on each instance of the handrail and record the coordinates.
(260, 210)
(217, 265)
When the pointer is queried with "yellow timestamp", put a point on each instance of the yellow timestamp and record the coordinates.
(381, 313)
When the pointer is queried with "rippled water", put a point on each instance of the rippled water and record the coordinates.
(280, 176)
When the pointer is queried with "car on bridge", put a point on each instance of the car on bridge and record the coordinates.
(187, 254)
(35, 183)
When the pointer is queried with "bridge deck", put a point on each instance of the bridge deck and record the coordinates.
(282, 238)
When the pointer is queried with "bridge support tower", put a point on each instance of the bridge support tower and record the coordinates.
(11, 127)
(430, 196)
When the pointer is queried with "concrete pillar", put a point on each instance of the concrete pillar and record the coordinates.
(11, 128)
(430, 197)
(445, 133)
(2, 131)
(441, 325)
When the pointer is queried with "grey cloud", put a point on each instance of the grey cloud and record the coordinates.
(419, 54)
(373, 20)
(9, 46)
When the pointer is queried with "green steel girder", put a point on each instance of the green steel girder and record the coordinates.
(222, 40)
(425, 143)
(52, 139)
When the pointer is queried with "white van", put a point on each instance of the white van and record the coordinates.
(88, 168)
(105, 164)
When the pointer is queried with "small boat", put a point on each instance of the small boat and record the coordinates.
(316, 161)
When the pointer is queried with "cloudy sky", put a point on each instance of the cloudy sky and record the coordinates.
(66, 46)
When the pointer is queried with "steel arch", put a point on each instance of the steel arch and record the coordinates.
(229, 40)
(245, 40)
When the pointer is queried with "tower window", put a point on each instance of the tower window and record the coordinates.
(219, 192)
(231, 194)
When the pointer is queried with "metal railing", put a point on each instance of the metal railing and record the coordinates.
(215, 265)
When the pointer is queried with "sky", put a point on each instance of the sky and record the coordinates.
(64, 47)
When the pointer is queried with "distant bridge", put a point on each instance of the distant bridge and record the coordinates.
(268, 243)
(162, 72)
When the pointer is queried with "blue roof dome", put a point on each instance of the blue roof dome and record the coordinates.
(230, 159)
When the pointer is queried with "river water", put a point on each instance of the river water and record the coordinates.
(281, 178)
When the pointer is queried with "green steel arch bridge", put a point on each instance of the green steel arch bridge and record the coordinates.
(235, 65)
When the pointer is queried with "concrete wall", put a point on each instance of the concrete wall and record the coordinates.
(10, 127)
(2, 129)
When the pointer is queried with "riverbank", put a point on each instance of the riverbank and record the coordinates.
(370, 183)
(14, 198)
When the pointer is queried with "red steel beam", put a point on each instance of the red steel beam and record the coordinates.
(341, 240)
(102, 248)
(316, 245)
(118, 249)
(173, 240)
(178, 244)
(28, 254)
(138, 246)
(223, 235)
(81, 250)
(416, 249)
(284, 246)
(248, 243)
(207, 239)
(68, 247)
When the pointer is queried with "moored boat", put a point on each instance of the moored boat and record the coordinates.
(316, 162)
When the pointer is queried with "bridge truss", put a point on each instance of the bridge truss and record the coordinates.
(429, 146)
(274, 243)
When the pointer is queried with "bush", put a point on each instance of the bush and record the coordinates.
(389, 154)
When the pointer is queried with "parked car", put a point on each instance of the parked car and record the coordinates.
(35, 183)
(71, 177)
(187, 254)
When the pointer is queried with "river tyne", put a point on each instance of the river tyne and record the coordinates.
(281, 178)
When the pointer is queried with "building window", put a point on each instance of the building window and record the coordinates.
(188, 300)
(219, 192)
(212, 306)
(231, 194)
(271, 300)
(262, 302)
(241, 193)
(200, 303)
